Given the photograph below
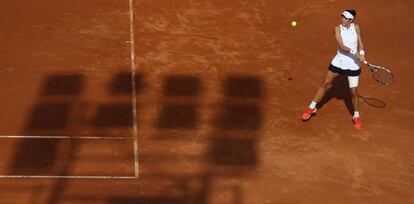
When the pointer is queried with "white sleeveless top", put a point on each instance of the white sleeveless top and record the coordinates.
(346, 60)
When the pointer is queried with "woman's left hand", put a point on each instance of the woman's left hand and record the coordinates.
(362, 58)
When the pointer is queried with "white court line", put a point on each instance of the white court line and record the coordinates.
(63, 177)
(64, 137)
(134, 91)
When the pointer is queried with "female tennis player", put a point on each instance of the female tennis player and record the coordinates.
(346, 62)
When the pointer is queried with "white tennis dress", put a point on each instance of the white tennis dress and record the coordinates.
(345, 60)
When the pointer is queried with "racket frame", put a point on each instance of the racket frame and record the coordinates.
(373, 67)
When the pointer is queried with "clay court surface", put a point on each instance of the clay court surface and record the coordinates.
(198, 102)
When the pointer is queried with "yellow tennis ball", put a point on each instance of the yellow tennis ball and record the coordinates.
(294, 24)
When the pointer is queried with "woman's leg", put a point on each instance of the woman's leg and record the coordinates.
(353, 85)
(355, 99)
(326, 84)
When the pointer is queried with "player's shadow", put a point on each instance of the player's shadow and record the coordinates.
(373, 102)
(341, 91)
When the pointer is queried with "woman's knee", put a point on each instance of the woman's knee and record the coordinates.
(326, 85)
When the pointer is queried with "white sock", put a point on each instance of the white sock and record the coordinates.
(312, 105)
(356, 114)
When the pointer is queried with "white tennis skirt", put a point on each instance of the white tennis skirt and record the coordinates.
(346, 61)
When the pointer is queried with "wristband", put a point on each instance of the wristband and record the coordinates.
(362, 52)
(353, 52)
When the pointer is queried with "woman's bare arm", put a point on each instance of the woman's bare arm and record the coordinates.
(341, 45)
(360, 43)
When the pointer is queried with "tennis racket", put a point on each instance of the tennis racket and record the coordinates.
(381, 74)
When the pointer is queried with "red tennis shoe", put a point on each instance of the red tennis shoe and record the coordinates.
(357, 123)
(308, 113)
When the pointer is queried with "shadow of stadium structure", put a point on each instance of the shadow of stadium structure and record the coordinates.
(229, 149)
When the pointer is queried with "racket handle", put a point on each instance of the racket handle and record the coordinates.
(365, 62)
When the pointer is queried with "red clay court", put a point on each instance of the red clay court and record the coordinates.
(189, 101)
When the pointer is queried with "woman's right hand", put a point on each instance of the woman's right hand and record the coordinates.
(362, 59)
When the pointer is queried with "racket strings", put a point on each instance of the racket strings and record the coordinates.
(383, 76)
